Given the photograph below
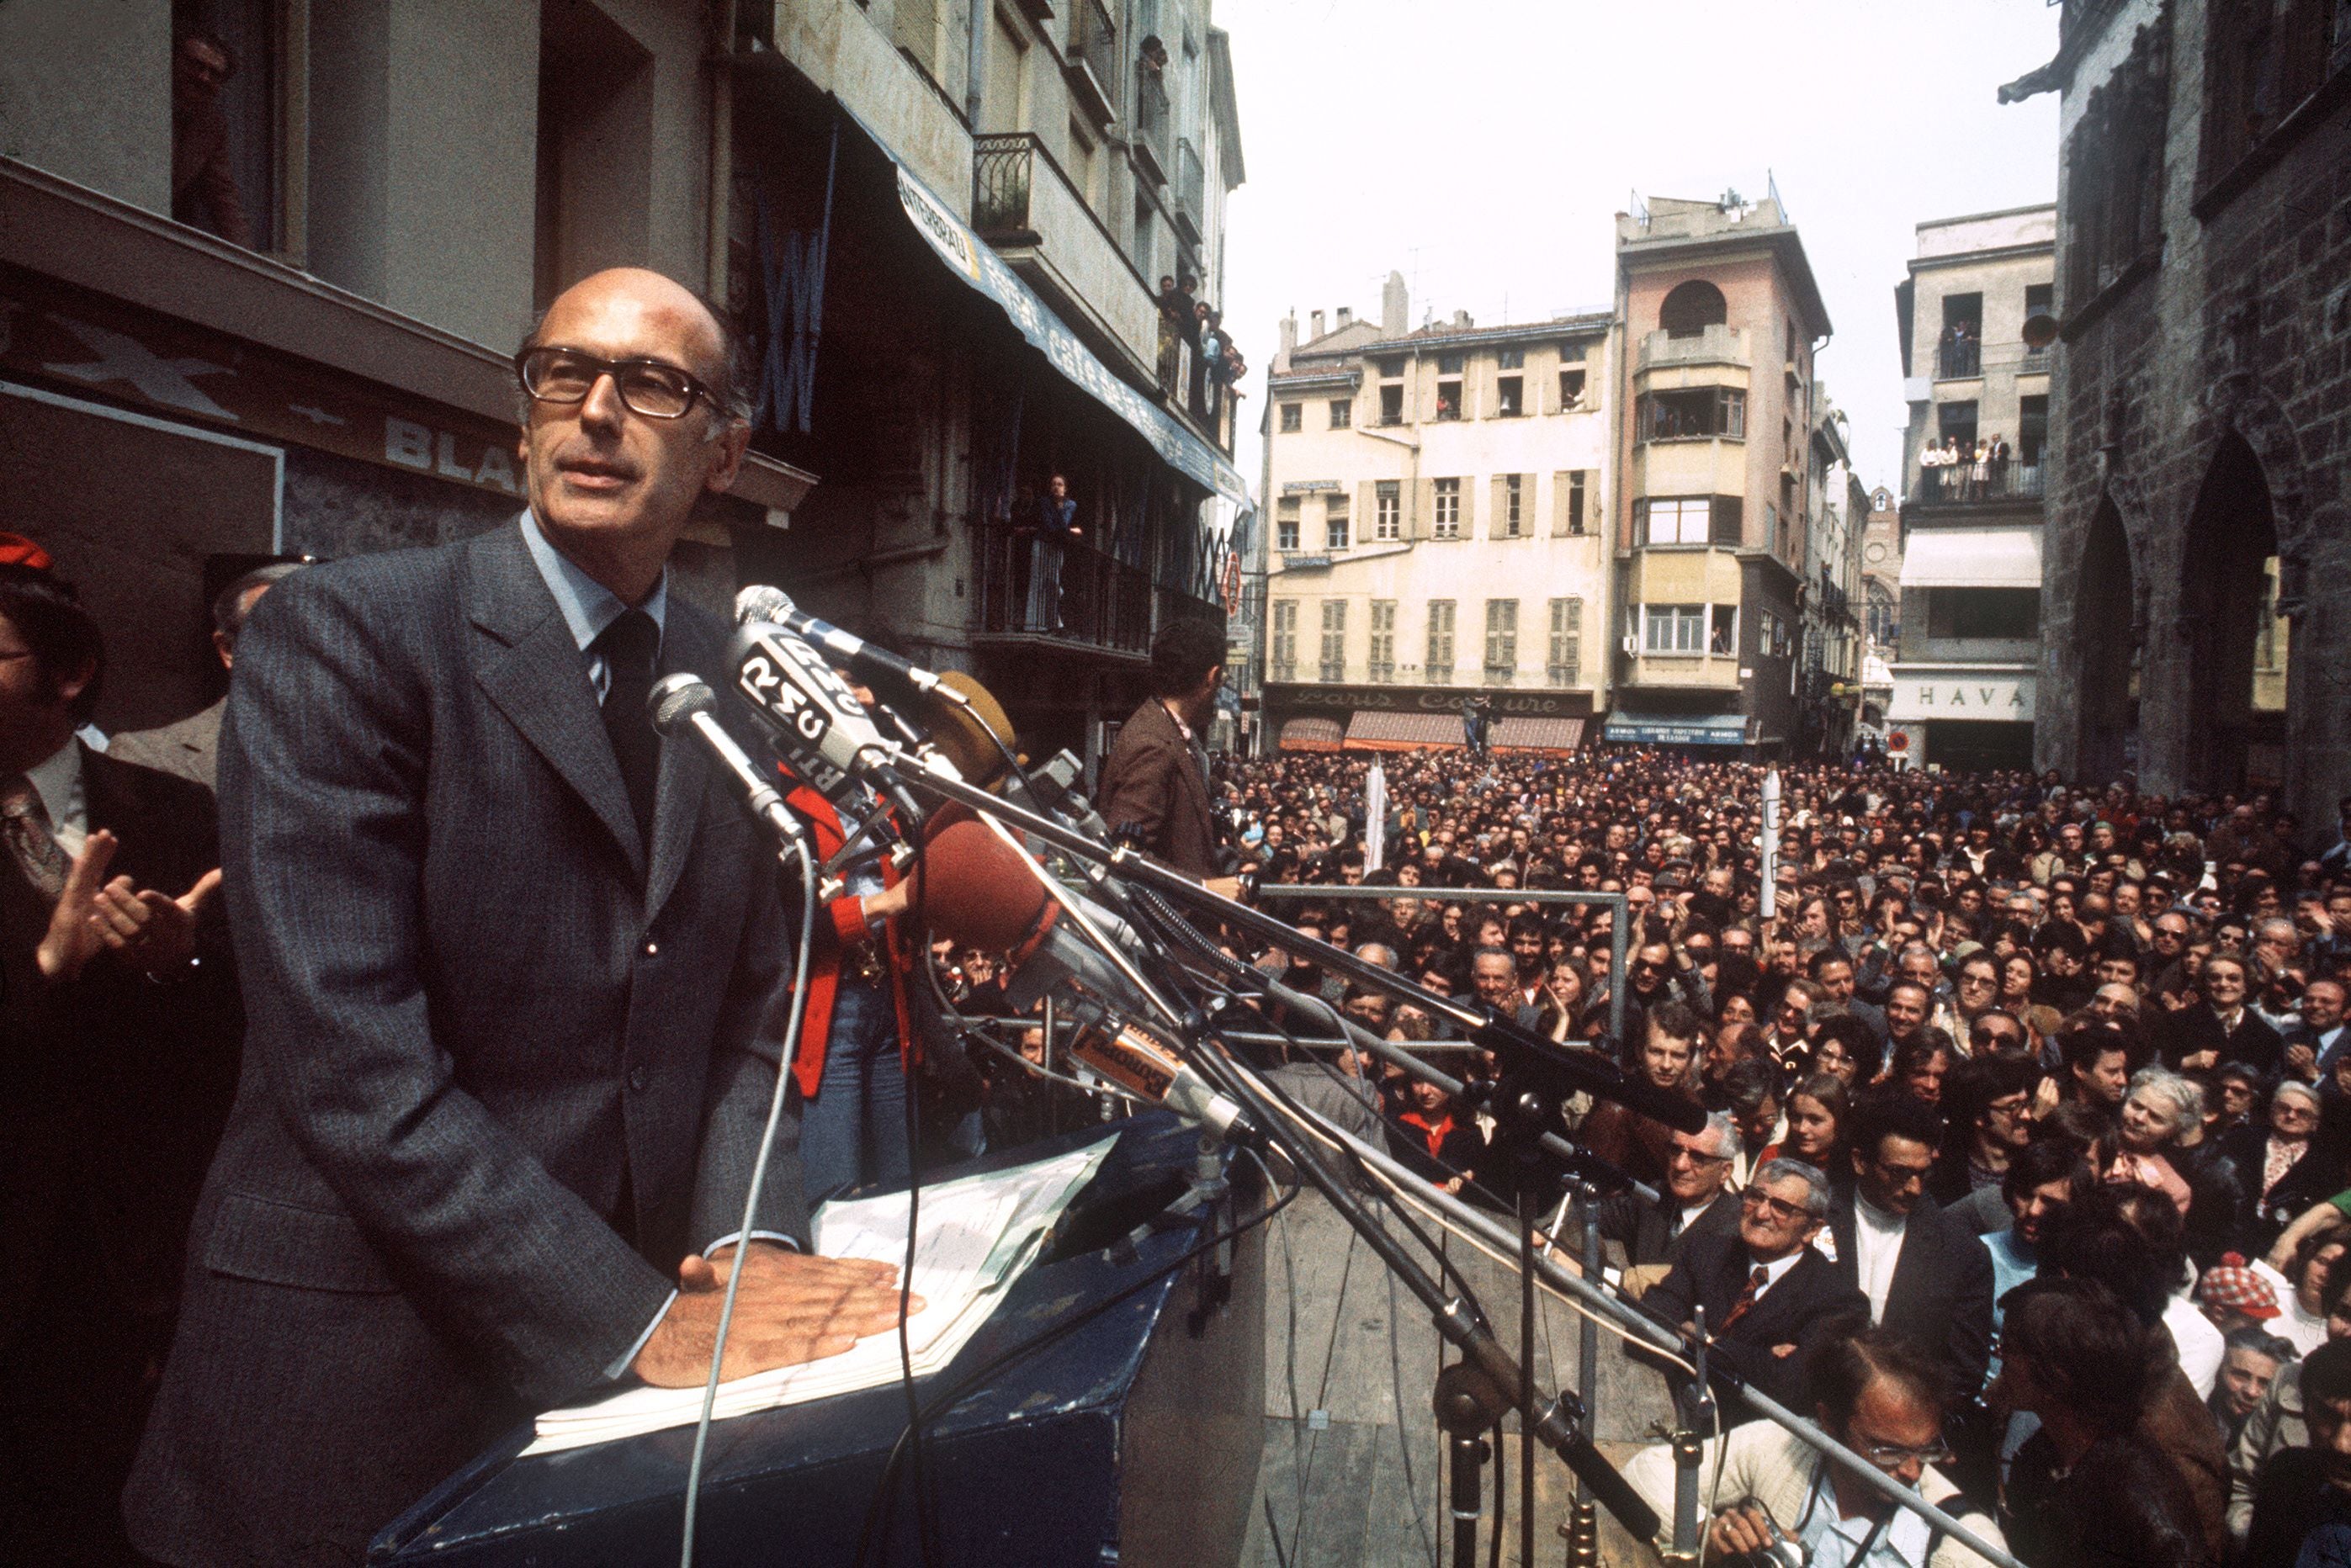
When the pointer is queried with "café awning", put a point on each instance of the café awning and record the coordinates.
(1551, 737)
(1972, 558)
(1379, 731)
(1310, 736)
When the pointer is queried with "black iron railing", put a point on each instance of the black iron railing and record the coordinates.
(1960, 357)
(1093, 53)
(1191, 189)
(1970, 483)
(1152, 122)
(1001, 170)
(1085, 597)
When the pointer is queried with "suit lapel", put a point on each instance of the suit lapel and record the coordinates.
(527, 664)
(686, 645)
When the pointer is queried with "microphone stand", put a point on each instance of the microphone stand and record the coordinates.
(1494, 1381)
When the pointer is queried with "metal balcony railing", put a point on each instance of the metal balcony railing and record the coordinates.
(1103, 602)
(1153, 123)
(1959, 359)
(1191, 191)
(1977, 484)
(1001, 170)
(1092, 63)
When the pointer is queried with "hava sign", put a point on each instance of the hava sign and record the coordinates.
(1917, 698)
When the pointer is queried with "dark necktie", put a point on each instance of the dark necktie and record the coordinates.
(31, 838)
(1746, 1298)
(630, 646)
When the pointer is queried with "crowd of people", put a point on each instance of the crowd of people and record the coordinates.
(2033, 1098)
(1216, 364)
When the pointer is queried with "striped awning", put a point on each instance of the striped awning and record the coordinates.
(1554, 736)
(1376, 731)
(1310, 736)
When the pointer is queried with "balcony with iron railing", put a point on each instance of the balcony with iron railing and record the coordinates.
(1191, 191)
(1104, 603)
(1708, 346)
(1986, 483)
(1154, 124)
(1959, 359)
(1025, 206)
(1092, 65)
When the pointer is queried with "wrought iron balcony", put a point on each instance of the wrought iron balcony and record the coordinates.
(1191, 191)
(1105, 603)
(1974, 484)
(1153, 121)
(1092, 63)
(1959, 359)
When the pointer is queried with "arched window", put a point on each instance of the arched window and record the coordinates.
(1691, 309)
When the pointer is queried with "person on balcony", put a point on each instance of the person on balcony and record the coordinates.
(1056, 522)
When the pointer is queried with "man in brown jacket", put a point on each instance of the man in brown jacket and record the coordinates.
(1155, 782)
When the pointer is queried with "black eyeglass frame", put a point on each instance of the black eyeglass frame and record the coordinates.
(696, 390)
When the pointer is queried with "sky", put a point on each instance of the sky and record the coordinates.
(1482, 148)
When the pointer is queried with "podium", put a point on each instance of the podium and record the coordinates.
(1134, 1439)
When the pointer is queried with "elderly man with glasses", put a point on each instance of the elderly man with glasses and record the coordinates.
(1767, 1294)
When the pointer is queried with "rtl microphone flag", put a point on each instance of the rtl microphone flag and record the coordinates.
(1376, 817)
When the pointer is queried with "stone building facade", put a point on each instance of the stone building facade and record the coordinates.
(2201, 446)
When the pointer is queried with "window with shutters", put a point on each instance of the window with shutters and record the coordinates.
(1332, 665)
(1502, 642)
(1575, 492)
(1334, 525)
(1512, 359)
(1512, 522)
(1571, 386)
(1566, 661)
(1439, 663)
(1284, 657)
(1387, 510)
(1285, 524)
(1343, 414)
(1673, 629)
(1447, 523)
(1381, 667)
(1293, 416)
(1510, 397)
(1448, 386)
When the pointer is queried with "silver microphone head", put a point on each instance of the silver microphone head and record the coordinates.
(761, 601)
(676, 699)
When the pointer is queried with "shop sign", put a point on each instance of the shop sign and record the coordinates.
(1313, 699)
(89, 344)
(1959, 694)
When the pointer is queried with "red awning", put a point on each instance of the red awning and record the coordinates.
(1373, 731)
(1310, 736)
(1553, 737)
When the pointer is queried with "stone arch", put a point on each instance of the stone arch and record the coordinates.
(2224, 588)
(2109, 635)
(1692, 307)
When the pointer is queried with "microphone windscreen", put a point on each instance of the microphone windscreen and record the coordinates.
(958, 733)
(976, 890)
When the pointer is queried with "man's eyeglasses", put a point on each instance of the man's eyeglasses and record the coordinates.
(647, 386)
(1894, 1456)
(1777, 1207)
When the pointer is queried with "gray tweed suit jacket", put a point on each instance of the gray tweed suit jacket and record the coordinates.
(490, 1038)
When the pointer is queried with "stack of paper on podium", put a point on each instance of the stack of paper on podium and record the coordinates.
(978, 1233)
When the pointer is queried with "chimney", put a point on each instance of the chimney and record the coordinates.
(1288, 340)
(1347, 316)
(1461, 318)
(1318, 325)
(1396, 306)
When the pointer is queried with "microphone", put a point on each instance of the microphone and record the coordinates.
(684, 705)
(973, 888)
(812, 716)
(876, 665)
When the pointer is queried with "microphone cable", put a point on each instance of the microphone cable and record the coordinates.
(799, 852)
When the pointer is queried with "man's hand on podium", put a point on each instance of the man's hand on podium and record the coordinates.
(792, 1308)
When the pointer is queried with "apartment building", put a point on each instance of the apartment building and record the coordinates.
(1829, 672)
(1435, 500)
(1975, 319)
(942, 224)
(1721, 316)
